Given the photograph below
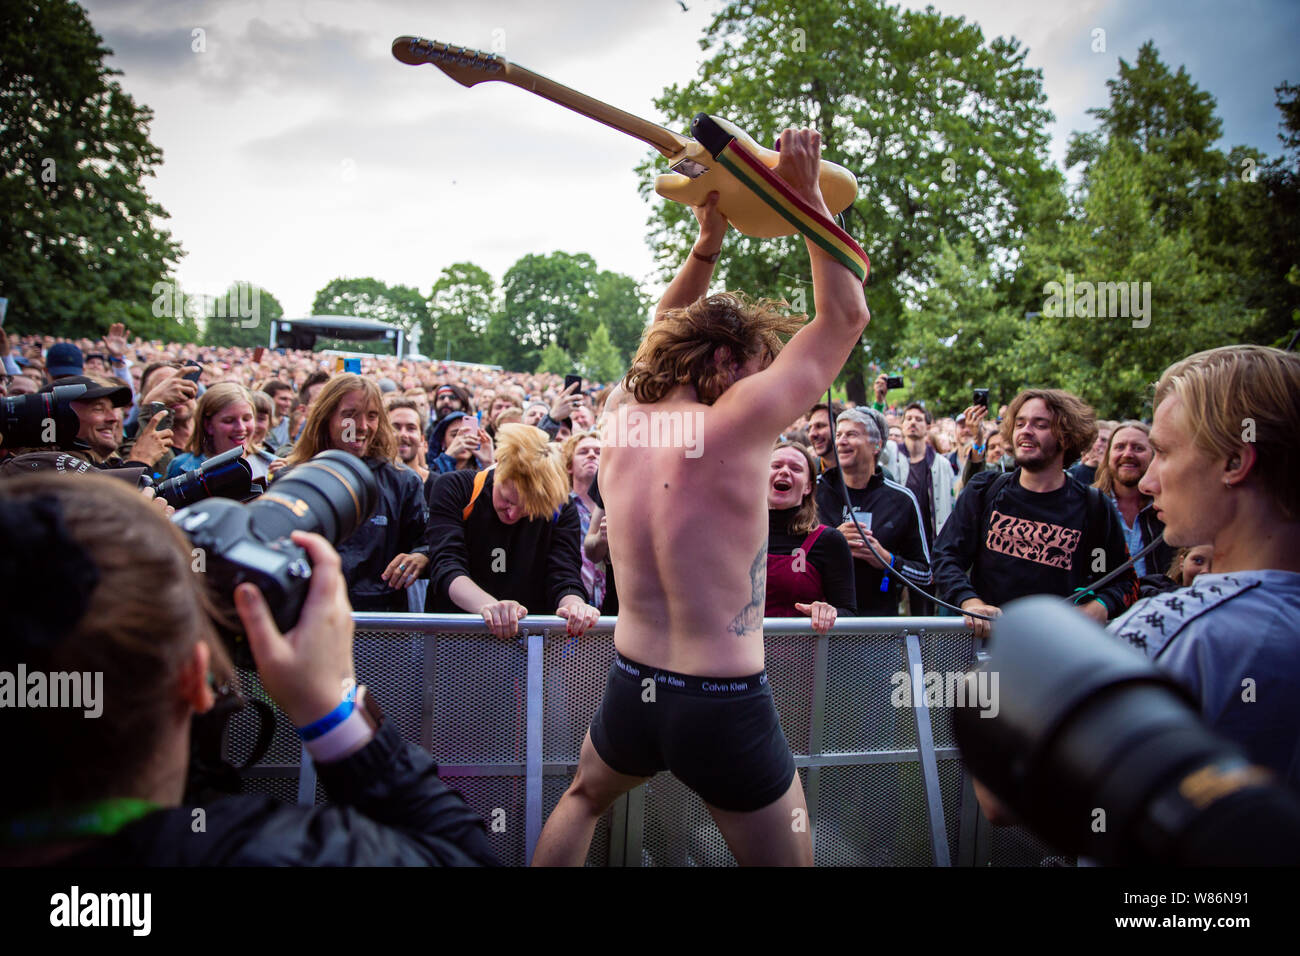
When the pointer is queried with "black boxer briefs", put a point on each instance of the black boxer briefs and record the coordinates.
(719, 736)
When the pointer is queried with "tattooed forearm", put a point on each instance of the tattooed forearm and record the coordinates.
(751, 616)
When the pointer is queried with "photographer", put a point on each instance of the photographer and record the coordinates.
(96, 441)
(386, 554)
(96, 581)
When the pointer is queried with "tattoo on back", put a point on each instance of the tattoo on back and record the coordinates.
(751, 616)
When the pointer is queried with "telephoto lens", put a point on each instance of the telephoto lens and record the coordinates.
(26, 420)
(1103, 755)
(330, 495)
(222, 476)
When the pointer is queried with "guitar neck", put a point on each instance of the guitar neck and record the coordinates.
(665, 141)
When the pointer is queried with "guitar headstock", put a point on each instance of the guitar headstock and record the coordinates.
(466, 67)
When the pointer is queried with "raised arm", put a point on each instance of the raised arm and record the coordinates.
(767, 401)
(692, 280)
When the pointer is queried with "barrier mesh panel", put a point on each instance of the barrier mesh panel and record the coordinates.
(574, 671)
(872, 815)
(1016, 846)
(947, 654)
(951, 782)
(500, 802)
(860, 682)
(470, 699)
(679, 831)
(791, 667)
(479, 699)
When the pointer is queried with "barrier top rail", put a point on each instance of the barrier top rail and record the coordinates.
(535, 623)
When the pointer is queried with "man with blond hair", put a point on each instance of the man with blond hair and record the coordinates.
(688, 532)
(1224, 473)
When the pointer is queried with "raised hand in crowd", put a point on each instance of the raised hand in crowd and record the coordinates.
(562, 407)
(974, 417)
(483, 453)
(881, 387)
(172, 391)
(152, 443)
(115, 341)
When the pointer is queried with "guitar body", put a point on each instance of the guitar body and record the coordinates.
(696, 172)
(743, 208)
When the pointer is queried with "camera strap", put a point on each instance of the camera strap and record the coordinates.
(209, 772)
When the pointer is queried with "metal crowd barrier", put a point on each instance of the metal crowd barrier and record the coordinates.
(505, 721)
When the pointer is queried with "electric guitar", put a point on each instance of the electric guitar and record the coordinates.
(696, 171)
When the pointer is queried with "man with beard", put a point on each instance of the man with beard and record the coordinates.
(404, 415)
(819, 432)
(1125, 463)
(1035, 530)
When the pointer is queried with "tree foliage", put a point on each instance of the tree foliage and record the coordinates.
(241, 316)
(79, 244)
(460, 306)
(945, 130)
(368, 298)
(601, 361)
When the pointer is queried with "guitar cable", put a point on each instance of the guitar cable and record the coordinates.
(1072, 599)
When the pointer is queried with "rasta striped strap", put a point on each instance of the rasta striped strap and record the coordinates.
(753, 173)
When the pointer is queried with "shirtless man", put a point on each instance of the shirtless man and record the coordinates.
(688, 533)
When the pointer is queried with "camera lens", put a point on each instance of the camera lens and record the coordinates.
(329, 495)
(223, 476)
(24, 419)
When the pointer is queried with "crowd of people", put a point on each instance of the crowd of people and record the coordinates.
(500, 495)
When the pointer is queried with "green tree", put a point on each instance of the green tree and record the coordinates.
(945, 130)
(241, 316)
(1238, 215)
(79, 244)
(1109, 359)
(960, 334)
(555, 360)
(368, 298)
(460, 305)
(601, 362)
(545, 300)
(619, 305)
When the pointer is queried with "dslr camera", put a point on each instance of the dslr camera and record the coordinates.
(330, 495)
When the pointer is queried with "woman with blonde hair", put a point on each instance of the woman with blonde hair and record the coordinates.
(507, 538)
(223, 419)
(386, 554)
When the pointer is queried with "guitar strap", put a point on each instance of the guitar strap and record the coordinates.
(769, 187)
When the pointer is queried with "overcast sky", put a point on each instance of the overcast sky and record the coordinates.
(297, 150)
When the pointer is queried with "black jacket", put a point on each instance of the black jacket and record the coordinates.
(539, 561)
(390, 809)
(895, 523)
(1038, 553)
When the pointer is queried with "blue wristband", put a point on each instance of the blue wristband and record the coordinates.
(978, 448)
(331, 720)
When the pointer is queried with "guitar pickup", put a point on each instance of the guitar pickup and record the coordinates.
(689, 168)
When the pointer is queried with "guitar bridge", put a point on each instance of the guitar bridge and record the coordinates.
(689, 168)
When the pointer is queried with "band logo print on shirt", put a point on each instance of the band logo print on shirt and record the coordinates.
(1037, 541)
